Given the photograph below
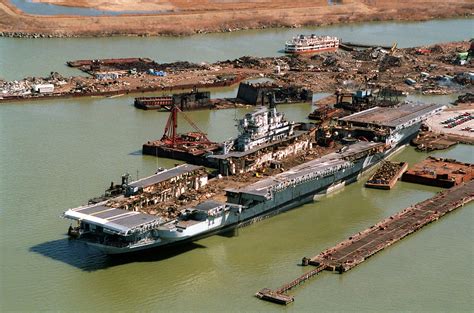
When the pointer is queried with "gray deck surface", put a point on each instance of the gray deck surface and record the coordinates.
(318, 165)
(208, 205)
(165, 175)
(122, 219)
(391, 117)
(92, 209)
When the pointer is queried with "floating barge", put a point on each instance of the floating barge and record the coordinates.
(350, 46)
(440, 172)
(387, 175)
(323, 114)
(192, 147)
(193, 100)
(153, 103)
(271, 93)
(359, 247)
(428, 141)
(120, 63)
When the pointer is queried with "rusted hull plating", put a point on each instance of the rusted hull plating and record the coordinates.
(439, 172)
(193, 156)
(387, 175)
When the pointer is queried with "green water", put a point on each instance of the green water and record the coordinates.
(25, 57)
(57, 154)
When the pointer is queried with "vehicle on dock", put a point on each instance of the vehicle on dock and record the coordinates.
(311, 44)
(115, 230)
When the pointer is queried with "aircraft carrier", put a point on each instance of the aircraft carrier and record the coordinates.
(378, 132)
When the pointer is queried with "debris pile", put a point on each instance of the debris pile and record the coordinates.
(439, 69)
(387, 175)
(465, 98)
(429, 141)
(389, 61)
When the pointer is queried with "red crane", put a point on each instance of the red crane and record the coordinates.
(171, 137)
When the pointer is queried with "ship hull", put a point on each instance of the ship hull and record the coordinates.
(329, 49)
(175, 154)
(301, 184)
(151, 106)
(267, 209)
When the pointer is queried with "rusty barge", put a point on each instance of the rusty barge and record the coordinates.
(439, 172)
(193, 100)
(192, 147)
(387, 175)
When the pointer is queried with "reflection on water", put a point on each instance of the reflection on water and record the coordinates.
(89, 259)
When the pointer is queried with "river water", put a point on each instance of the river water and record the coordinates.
(21, 57)
(56, 154)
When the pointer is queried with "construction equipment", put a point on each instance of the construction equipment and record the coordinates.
(393, 49)
(172, 138)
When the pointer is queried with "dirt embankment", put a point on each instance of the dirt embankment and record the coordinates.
(188, 17)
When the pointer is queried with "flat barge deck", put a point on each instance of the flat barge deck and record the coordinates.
(359, 247)
(439, 172)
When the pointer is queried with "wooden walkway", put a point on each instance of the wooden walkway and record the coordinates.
(357, 248)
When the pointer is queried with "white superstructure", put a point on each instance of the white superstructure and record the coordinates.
(311, 43)
(262, 126)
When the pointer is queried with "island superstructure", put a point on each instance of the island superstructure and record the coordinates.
(262, 126)
(120, 225)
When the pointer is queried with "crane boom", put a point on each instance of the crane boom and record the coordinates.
(170, 134)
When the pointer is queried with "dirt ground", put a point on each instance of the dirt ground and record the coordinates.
(191, 16)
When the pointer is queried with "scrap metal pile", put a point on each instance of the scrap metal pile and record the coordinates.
(438, 69)
(386, 175)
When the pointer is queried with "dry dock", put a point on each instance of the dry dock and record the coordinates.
(357, 248)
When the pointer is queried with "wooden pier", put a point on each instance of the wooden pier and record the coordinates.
(359, 247)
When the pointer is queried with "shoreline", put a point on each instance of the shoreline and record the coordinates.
(17, 24)
(318, 74)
